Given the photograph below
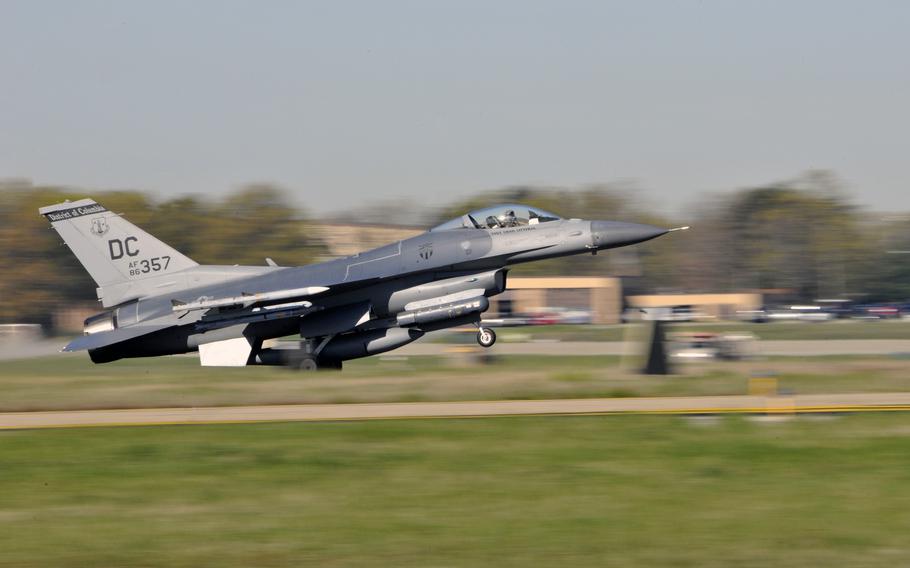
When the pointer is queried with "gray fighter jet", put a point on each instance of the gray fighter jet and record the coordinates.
(160, 302)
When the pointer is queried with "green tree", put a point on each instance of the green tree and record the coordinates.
(38, 271)
(796, 237)
(39, 275)
(254, 223)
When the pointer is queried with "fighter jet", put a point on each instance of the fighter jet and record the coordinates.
(160, 302)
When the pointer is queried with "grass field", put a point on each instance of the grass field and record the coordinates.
(845, 329)
(595, 491)
(73, 382)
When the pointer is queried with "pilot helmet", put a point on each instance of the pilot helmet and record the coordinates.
(508, 219)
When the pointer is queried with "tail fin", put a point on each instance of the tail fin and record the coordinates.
(112, 250)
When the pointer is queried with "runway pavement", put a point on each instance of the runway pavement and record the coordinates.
(389, 411)
(805, 348)
(30, 349)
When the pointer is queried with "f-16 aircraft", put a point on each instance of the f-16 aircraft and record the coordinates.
(160, 302)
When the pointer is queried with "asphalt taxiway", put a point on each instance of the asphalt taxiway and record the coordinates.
(775, 348)
(816, 403)
(799, 347)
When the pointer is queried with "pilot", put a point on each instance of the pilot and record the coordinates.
(508, 219)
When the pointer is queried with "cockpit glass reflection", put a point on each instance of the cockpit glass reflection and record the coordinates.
(499, 217)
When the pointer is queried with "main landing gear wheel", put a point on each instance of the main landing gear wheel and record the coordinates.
(486, 337)
(302, 361)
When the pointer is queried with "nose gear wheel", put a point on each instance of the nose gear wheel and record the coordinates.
(486, 337)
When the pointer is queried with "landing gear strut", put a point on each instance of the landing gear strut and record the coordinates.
(486, 337)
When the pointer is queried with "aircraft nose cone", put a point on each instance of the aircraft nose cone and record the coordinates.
(610, 234)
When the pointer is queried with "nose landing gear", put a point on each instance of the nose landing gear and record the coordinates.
(486, 337)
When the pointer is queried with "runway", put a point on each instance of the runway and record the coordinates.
(774, 348)
(820, 403)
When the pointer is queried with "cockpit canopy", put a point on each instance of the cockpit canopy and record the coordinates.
(498, 217)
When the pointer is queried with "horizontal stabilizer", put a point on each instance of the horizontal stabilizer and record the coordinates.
(246, 300)
(105, 338)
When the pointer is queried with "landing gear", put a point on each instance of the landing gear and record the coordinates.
(307, 364)
(309, 358)
(486, 337)
(303, 361)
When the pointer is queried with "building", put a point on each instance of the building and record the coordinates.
(720, 306)
(600, 296)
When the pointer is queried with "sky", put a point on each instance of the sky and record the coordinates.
(345, 102)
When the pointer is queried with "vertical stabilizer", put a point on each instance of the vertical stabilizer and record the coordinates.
(111, 249)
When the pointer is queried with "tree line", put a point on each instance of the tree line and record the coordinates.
(39, 275)
(796, 240)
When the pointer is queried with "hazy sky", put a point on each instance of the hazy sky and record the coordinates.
(344, 101)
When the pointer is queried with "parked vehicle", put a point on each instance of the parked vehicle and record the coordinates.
(706, 346)
(807, 312)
